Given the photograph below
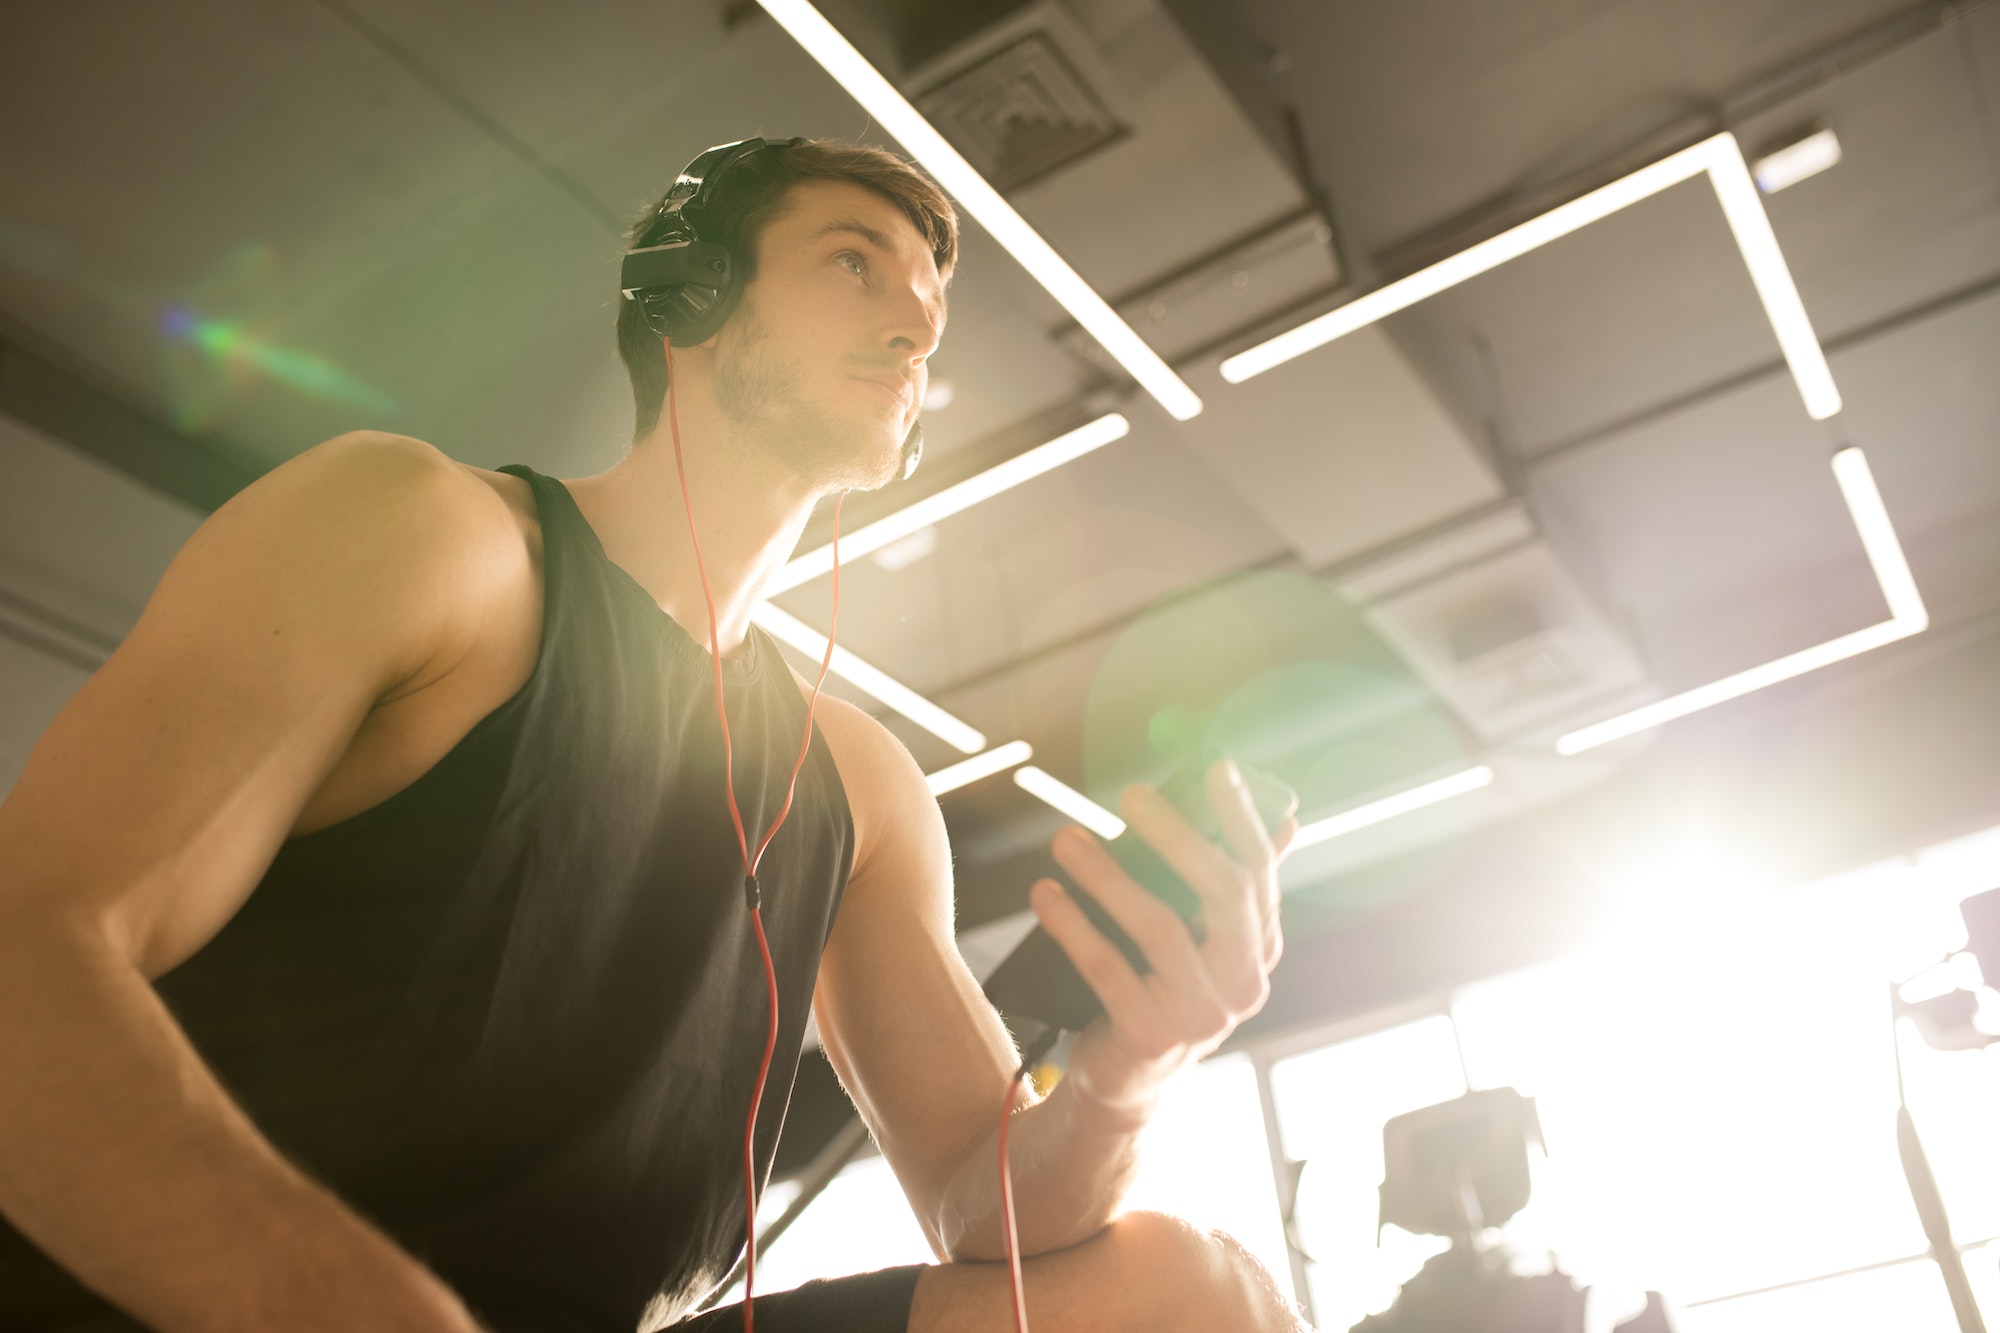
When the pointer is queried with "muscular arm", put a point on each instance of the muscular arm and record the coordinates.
(919, 1048)
(143, 820)
(928, 1061)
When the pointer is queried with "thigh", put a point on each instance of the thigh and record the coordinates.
(1146, 1273)
(864, 1303)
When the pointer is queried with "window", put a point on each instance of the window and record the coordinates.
(1717, 1085)
(1203, 1158)
(1330, 1105)
(862, 1222)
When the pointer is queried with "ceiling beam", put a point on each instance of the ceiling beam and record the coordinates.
(43, 394)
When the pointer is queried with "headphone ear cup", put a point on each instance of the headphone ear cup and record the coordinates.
(658, 308)
(688, 310)
(699, 312)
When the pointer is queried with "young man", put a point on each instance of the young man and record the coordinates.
(373, 945)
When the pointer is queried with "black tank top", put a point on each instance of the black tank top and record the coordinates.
(513, 1013)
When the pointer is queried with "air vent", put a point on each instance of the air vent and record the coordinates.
(1492, 621)
(1020, 113)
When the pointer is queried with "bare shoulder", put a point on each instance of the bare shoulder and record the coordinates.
(896, 819)
(421, 494)
(395, 510)
(875, 767)
(262, 669)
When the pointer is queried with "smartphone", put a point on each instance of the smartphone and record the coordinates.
(1037, 981)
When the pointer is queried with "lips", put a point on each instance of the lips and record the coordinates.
(891, 383)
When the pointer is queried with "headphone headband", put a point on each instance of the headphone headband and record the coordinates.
(683, 212)
(686, 284)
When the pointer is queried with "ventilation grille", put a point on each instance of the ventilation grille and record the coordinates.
(1493, 621)
(1020, 113)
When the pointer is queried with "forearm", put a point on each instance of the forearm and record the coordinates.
(126, 1162)
(1071, 1163)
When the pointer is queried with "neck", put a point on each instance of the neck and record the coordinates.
(749, 510)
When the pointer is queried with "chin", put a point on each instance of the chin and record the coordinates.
(878, 463)
(850, 455)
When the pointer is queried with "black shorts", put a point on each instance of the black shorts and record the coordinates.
(864, 1303)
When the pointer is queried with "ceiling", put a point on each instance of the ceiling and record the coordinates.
(410, 214)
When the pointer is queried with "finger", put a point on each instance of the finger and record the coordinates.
(1158, 930)
(1281, 843)
(1228, 890)
(1281, 837)
(1129, 1003)
(1243, 829)
(1242, 826)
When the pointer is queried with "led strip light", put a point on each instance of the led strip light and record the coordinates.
(1389, 807)
(1892, 572)
(877, 683)
(1719, 156)
(837, 56)
(871, 681)
(951, 500)
(1069, 800)
(996, 760)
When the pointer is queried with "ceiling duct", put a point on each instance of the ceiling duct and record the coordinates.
(1020, 111)
(1107, 128)
(1490, 618)
(1239, 285)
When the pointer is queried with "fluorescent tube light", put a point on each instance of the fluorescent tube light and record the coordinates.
(952, 499)
(837, 56)
(1785, 167)
(996, 760)
(1732, 687)
(1070, 801)
(1878, 538)
(1907, 616)
(1751, 225)
(871, 681)
(1719, 156)
(900, 554)
(1389, 807)
(1470, 263)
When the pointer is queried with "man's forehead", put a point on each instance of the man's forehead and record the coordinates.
(818, 208)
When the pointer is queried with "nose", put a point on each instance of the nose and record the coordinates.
(913, 333)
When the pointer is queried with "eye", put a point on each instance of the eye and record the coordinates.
(852, 262)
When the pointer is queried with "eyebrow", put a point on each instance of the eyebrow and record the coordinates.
(861, 229)
(875, 238)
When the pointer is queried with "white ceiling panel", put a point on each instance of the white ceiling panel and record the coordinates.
(1912, 211)
(1419, 111)
(81, 536)
(1924, 400)
(1342, 450)
(1714, 536)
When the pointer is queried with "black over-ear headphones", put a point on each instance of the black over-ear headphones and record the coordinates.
(686, 286)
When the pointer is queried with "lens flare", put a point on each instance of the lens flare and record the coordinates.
(221, 345)
(227, 346)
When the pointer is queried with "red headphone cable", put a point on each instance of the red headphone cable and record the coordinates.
(1041, 1046)
(1007, 1207)
(752, 897)
(751, 860)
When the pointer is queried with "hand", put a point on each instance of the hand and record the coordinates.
(1196, 993)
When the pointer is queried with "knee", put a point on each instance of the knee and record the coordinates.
(1200, 1279)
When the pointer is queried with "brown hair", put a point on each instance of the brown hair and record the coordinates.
(746, 200)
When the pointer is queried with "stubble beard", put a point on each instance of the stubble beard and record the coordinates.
(759, 390)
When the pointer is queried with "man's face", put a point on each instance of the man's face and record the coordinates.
(823, 363)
